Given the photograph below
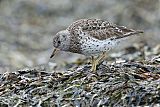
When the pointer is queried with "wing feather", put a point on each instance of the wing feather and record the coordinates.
(100, 29)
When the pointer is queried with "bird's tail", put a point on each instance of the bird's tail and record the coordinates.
(130, 34)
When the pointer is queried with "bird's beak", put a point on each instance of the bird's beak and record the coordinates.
(54, 52)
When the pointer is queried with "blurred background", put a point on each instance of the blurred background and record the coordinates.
(28, 26)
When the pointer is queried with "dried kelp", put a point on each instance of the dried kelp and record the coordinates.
(120, 83)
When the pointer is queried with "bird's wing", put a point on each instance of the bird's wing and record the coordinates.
(100, 29)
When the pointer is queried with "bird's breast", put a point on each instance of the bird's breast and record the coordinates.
(94, 46)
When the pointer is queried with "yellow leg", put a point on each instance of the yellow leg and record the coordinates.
(101, 57)
(95, 62)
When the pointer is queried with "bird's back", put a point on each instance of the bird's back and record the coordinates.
(100, 29)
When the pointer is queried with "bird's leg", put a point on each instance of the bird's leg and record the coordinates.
(93, 63)
(101, 57)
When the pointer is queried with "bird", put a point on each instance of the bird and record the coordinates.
(91, 37)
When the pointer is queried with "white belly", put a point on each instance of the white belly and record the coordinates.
(94, 46)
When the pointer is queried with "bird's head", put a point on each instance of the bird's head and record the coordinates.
(61, 41)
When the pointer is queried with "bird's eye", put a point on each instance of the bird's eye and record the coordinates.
(59, 42)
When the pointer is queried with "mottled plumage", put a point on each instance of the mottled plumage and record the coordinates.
(100, 29)
(90, 37)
